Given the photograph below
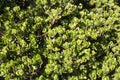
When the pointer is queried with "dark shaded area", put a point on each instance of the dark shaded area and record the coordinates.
(2, 78)
(40, 37)
(117, 2)
(85, 4)
(11, 3)
(25, 3)
(103, 39)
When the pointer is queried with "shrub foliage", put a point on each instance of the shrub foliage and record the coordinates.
(59, 40)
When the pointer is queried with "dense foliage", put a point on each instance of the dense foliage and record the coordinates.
(59, 40)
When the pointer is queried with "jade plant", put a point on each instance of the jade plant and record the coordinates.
(59, 40)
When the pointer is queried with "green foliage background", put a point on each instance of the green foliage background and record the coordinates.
(59, 40)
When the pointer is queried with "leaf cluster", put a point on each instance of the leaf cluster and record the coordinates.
(59, 40)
